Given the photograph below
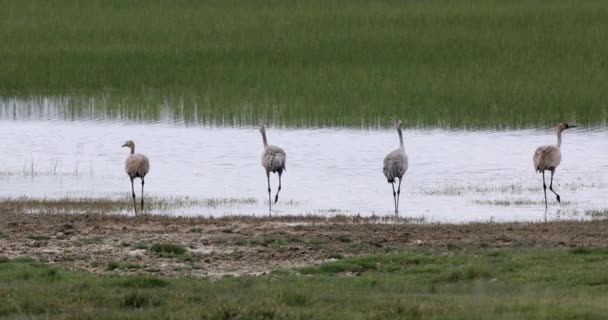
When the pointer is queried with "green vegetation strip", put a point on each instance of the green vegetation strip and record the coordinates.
(471, 63)
(422, 284)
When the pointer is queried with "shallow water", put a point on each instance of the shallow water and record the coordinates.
(454, 176)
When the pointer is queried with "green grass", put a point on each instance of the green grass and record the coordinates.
(86, 241)
(526, 283)
(140, 245)
(38, 237)
(113, 265)
(169, 249)
(471, 63)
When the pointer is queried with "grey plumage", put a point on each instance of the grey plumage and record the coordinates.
(274, 160)
(547, 158)
(137, 165)
(395, 166)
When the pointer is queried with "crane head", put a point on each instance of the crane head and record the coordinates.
(563, 126)
(129, 144)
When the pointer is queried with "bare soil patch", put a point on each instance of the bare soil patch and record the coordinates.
(248, 245)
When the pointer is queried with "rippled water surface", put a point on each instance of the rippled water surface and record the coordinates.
(453, 175)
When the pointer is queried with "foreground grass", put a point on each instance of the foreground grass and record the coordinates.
(460, 283)
(439, 63)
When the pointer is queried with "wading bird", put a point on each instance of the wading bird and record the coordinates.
(136, 166)
(395, 166)
(548, 158)
(273, 160)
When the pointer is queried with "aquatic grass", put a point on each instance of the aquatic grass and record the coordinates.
(300, 221)
(448, 189)
(316, 63)
(33, 169)
(223, 202)
(63, 205)
(517, 188)
(109, 205)
(513, 202)
(597, 213)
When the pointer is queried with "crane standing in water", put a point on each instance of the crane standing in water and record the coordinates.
(547, 158)
(136, 166)
(273, 160)
(395, 166)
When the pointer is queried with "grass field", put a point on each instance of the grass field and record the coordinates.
(347, 63)
(65, 266)
(413, 284)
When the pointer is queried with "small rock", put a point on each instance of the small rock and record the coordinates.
(34, 244)
(137, 252)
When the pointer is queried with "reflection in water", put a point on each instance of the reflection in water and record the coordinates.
(153, 106)
(149, 108)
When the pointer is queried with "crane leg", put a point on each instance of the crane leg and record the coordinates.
(398, 194)
(133, 194)
(142, 194)
(394, 196)
(551, 187)
(276, 198)
(545, 189)
(269, 202)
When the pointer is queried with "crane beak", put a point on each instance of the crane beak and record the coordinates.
(569, 126)
(124, 145)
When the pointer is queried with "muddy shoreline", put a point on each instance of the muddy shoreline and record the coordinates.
(214, 247)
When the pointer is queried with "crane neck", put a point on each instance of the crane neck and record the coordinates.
(132, 149)
(401, 145)
(559, 139)
(264, 138)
